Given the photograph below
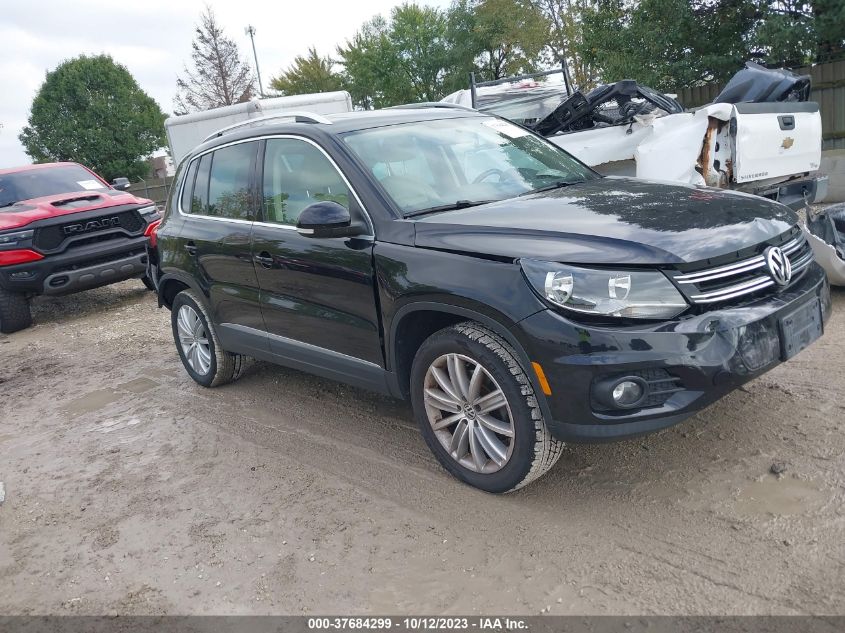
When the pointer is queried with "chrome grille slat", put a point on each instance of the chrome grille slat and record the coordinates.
(751, 263)
(702, 282)
(728, 273)
(758, 283)
(802, 263)
(694, 277)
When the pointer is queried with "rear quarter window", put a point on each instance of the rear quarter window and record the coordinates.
(188, 188)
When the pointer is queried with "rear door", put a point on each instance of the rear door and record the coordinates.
(317, 294)
(218, 206)
(773, 140)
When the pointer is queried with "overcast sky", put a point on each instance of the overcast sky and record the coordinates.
(152, 38)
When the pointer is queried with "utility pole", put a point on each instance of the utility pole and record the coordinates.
(250, 30)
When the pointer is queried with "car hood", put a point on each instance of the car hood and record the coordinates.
(611, 221)
(27, 211)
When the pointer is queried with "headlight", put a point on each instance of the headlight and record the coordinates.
(14, 238)
(614, 293)
(148, 210)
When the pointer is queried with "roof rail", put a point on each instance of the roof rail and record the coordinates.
(429, 104)
(298, 116)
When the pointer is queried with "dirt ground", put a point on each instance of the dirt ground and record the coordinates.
(131, 490)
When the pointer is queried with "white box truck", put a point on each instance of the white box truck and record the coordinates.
(187, 131)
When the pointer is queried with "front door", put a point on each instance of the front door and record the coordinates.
(317, 294)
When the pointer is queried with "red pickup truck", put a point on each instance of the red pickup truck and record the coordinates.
(64, 229)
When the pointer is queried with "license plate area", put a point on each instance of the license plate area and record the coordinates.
(799, 328)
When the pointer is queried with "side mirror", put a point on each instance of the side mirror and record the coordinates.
(121, 184)
(326, 219)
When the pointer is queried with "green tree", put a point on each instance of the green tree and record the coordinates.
(565, 38)
(798, 32)
(398, 60)
(493, 38)
(668, 44)
(511, 34)
(308, 74)
(91, 110)
(463, 45)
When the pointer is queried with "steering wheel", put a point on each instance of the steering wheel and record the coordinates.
(484, 175)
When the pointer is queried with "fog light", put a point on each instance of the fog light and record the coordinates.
(620, 392)
(627, 393)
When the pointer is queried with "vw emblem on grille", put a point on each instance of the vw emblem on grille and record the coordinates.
(780, 268)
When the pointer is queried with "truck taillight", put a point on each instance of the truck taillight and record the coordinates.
(150, 232)
(19, 256)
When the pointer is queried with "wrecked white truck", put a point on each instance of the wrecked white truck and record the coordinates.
(825, 230)
(761, 135)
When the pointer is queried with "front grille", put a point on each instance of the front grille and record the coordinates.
(50, 238)
(746, 277)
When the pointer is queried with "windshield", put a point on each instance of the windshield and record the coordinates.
(426, 165)
(46, 181)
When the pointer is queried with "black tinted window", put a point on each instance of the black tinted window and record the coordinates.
(297, 174)
(228, 187)
(199, 199)
(187, 191)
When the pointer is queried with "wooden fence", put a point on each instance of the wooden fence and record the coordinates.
(828, 92)
(154, 189)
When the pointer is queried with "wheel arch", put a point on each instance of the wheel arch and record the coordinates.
(172, 284)
(415, 322)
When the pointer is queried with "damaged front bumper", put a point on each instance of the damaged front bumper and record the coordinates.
(687, 364)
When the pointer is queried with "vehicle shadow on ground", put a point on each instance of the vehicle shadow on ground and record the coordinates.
(673, 461)
(48, 310)
(708, 462)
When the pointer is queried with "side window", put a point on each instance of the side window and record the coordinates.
(188, 189)
(297, 174)
(199, 198)
(229, 180)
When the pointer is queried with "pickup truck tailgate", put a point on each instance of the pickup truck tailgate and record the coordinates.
(776, 139)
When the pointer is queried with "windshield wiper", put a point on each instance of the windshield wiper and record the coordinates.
(558, 184)
(460, 204)
(9, 204)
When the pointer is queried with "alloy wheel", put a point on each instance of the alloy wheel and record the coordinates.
(194, 340)
(469, 413)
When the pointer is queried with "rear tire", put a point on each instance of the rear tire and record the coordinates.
(198, 345)
(459, 376)
(14, 312)
(148, 283)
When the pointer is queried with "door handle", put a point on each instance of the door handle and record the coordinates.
(191, 248)
(265, 259)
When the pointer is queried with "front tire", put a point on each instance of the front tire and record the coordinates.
(477, 410)
(196, 340)
(14, 312)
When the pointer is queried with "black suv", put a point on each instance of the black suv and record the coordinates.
(515, 296)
